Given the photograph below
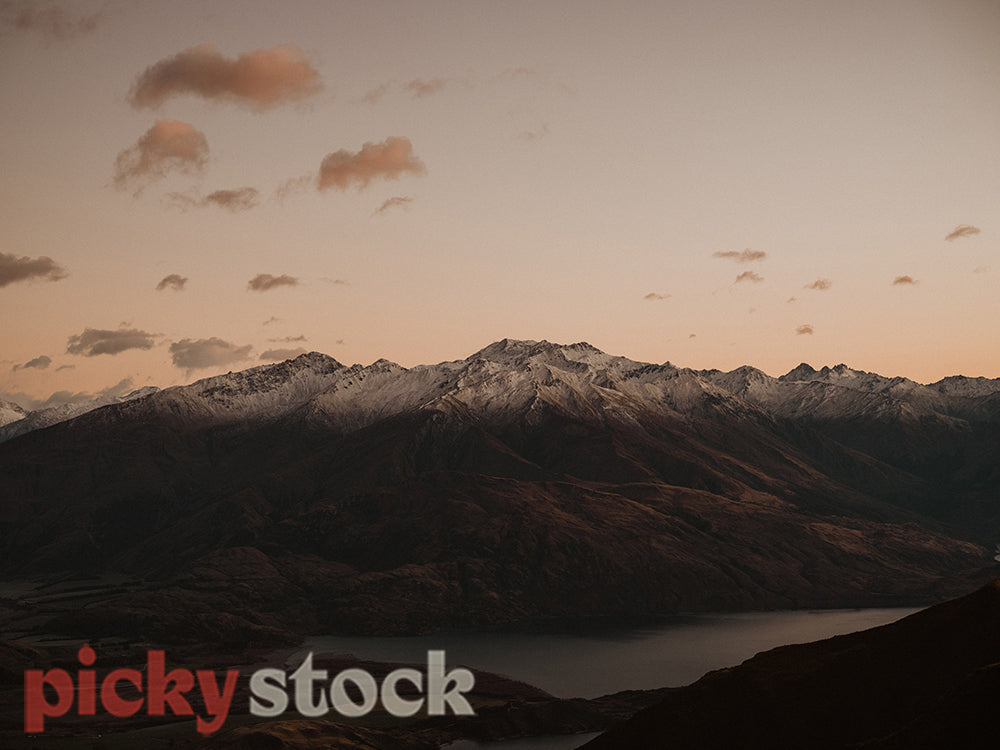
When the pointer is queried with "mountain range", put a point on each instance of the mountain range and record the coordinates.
(529, 480)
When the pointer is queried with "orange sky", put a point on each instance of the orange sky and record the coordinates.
(189, 188)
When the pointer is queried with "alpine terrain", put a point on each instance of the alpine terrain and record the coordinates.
(530, 480)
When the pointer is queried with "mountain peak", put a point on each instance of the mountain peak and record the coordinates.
(314, 360)
(508, 348)
(802, 372)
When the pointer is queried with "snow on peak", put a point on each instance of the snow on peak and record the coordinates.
(10, 412)
(802, 372)
(513, 379)
(508, 350)
(960, 385)
(266, 389)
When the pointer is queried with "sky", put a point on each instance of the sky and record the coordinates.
(190, 188)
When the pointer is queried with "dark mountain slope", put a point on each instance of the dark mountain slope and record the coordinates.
(927, 681)
(529, 480)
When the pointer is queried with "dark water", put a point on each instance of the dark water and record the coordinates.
(588, 662)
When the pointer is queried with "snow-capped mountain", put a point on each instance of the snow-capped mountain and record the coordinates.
(528, 479)
(16, 421)
(506, 378)
(509, 379)
(10, 412)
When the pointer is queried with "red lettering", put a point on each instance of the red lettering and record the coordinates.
(36, 707)
(216, 704)
(115, 704)
(85, 687)
(156, 692)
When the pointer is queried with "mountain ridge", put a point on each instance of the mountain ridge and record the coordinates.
(790, 394)
(528, 480)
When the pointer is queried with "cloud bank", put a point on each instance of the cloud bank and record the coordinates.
(168, 146)
(263, 282)
(196, 354)
(61, 398)
(14, 268)
(260, 79)
(388, 160)
(95, 341)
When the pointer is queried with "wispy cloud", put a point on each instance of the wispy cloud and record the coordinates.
(280, 355)
(804, 330)
(263, 282)
(38, 363)
(197, 354)
(820, 285)
(172, 281)
(401, 201)
(904, 281)
(741, 256)
(293, 186)
(962, 230)
(168, 146)
(654, 296)
(377, 93)
(388, 160)
(288, 340)
(421, 88)
(336, 282)
(52, 21)
(534, 135)
(418, 87)
(14, 268)
(749, 276)
(260, 79)
(237, 199)
(95, 341)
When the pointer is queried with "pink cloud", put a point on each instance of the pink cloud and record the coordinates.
(261, 79)
(170, 145)
(388, 160)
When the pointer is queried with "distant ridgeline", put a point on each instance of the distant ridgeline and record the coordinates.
(529, 480)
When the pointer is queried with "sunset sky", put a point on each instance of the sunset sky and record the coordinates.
(194, 187)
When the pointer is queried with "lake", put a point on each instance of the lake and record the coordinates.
(590, 659)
